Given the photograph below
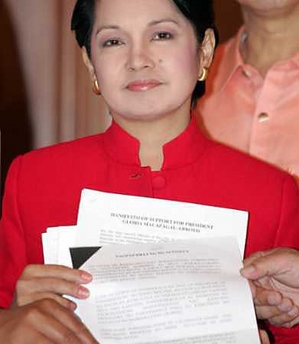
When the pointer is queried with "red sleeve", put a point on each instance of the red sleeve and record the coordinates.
(12, 241)
(288, 227)
(288, 235)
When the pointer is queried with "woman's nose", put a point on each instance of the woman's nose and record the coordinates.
(139, 58)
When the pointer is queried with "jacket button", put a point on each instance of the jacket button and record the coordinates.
(159, 182)
(263, 117)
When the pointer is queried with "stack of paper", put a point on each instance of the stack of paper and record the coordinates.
(176, 281)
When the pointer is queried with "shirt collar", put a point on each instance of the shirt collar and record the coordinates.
(183, 150)
(228, 58)
(294, 60)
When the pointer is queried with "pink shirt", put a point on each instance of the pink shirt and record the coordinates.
(257, 115)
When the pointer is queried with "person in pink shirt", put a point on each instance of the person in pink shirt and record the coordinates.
(252, 92)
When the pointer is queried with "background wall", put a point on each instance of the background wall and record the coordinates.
(228, 17)
(45, 91)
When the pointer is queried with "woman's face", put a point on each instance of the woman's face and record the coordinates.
(145, 57)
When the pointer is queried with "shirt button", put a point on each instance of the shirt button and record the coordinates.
(246, 73)
(263, 117)
(159, 182)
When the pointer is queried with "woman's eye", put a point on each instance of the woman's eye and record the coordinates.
(162, 36)
(112, 42)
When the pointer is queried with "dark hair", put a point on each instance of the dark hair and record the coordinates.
(199, 13)
(82, 22)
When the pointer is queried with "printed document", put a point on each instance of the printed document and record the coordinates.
(106, 218)
(178, 292)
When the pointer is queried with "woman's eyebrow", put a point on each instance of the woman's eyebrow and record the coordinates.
(164, 20)
(106, 27)
(151, 23)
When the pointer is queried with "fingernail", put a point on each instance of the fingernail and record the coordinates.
(85, 276)
(83, 292)
(285, 308)
(293, 312)
(248, 270)
(272, 299)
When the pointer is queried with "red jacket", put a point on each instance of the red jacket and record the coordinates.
(43, 189)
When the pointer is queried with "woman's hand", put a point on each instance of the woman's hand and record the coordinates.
(39, 282)
(42, 322)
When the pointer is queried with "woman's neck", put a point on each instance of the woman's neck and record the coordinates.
(154, 134)
(270, 38)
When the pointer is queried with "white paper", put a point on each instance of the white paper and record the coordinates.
(178, 292)
(50, 247)
(106, 218)
(56, 244)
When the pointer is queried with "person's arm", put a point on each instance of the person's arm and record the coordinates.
(34, 282)
(42, 322)
(274, 277)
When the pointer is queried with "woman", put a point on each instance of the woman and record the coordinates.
(147, 58)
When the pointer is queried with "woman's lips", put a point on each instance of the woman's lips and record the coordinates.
(142, 85)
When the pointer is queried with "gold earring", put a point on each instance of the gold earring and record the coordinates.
(204, 74)
(96, 89)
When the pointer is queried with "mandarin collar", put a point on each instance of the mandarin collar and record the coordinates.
(185, 149)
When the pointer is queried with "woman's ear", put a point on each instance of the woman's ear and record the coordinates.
(95, 88)
(207, 48)
(88, 64)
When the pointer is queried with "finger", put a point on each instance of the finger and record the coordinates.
(249, 269)
(286, 305)
(268, 307)
(286, 319)
(33, 297)
(77, 329)
(294, 322)
(53, 285)
(56, 331)
(267, 312)
(285, 309)
(60, 325)
(22, 334)
(269, 263)
(265, 254)
(264, 337)
(256, 255)
(56, 271)
(264, 297)
(26, 337)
